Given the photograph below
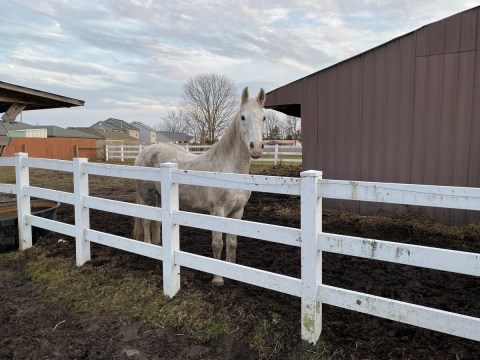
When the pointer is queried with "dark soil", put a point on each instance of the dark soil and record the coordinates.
(31, 327)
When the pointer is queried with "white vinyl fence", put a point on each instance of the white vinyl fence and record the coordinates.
(310, 238)
(272, 153)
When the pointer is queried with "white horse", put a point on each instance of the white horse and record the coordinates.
(232, 154)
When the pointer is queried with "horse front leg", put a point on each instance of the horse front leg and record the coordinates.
(231, 239)
(217, 245)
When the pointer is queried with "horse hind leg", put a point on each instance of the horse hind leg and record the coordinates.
(138, 229)
(155, 227)
(147, 224)
(155, 231)
(145, 229)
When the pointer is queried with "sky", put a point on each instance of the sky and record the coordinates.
(129, 59)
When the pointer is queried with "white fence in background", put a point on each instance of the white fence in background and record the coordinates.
(310, 238)
(272, 153)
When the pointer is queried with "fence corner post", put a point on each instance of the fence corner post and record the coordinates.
(22, 178)
(311, 256)
(170, 230)
(82, 214)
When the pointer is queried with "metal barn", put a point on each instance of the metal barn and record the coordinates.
(406, 111)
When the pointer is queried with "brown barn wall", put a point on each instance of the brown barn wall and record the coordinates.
(52, 148)
(407, 111)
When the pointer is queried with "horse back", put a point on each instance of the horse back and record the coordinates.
(156, 154)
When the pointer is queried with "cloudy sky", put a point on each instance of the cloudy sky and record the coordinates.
(130, 58)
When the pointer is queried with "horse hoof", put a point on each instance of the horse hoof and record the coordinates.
(217, 281)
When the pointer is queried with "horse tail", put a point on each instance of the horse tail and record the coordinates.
(137, 225)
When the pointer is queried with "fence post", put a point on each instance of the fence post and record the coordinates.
(82, 214)
(311, 256)
(275, 159)
(187, 147)
(106, 152)
(121, 152)
(22, 178)
(170, 230)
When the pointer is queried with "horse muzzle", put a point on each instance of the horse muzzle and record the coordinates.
(256, 150)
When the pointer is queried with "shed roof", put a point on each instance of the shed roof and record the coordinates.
(57, 131)
(7, 126)
(32, 98)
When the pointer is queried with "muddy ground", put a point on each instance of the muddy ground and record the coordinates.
(33, 327)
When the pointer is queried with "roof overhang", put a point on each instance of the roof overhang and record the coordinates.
(290, 109)
(14, 99)
(32, 99)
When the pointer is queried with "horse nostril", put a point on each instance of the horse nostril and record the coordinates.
(251, 145)
(263, 146)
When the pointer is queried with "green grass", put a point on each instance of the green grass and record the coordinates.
(132, 293)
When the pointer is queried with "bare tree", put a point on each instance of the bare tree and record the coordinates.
(175, 121)
(272, 121)
(292, 128)
(210, 102)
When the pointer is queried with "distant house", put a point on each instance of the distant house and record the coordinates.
(109, 137)
(174, 137)
(59, 132)
(106, 137)
(146, 133)
(51, 142)
(19, 129)
(117, 125)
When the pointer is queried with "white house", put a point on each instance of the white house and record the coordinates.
(146, 133)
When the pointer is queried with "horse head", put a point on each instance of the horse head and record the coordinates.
(252, 119)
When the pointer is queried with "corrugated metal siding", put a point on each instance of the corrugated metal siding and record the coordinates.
(52, 148)
(406, 111)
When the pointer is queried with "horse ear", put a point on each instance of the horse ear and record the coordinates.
(261, 97)
(245, 95)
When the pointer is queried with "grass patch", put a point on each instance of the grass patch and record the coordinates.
(137, 294)
(129, 293)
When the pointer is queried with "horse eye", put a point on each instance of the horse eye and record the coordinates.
(264, 118)
(242, 117)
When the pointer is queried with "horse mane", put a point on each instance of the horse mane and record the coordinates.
(229, 141)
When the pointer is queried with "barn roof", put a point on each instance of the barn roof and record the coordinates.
(285, 98)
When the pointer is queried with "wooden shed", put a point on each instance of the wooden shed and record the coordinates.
(406, 111)
(14, 99)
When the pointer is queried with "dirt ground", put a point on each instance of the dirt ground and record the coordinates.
(32, 327)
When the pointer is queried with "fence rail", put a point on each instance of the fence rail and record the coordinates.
(272, 153)
(310, 237)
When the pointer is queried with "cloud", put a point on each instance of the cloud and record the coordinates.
(122, 56)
